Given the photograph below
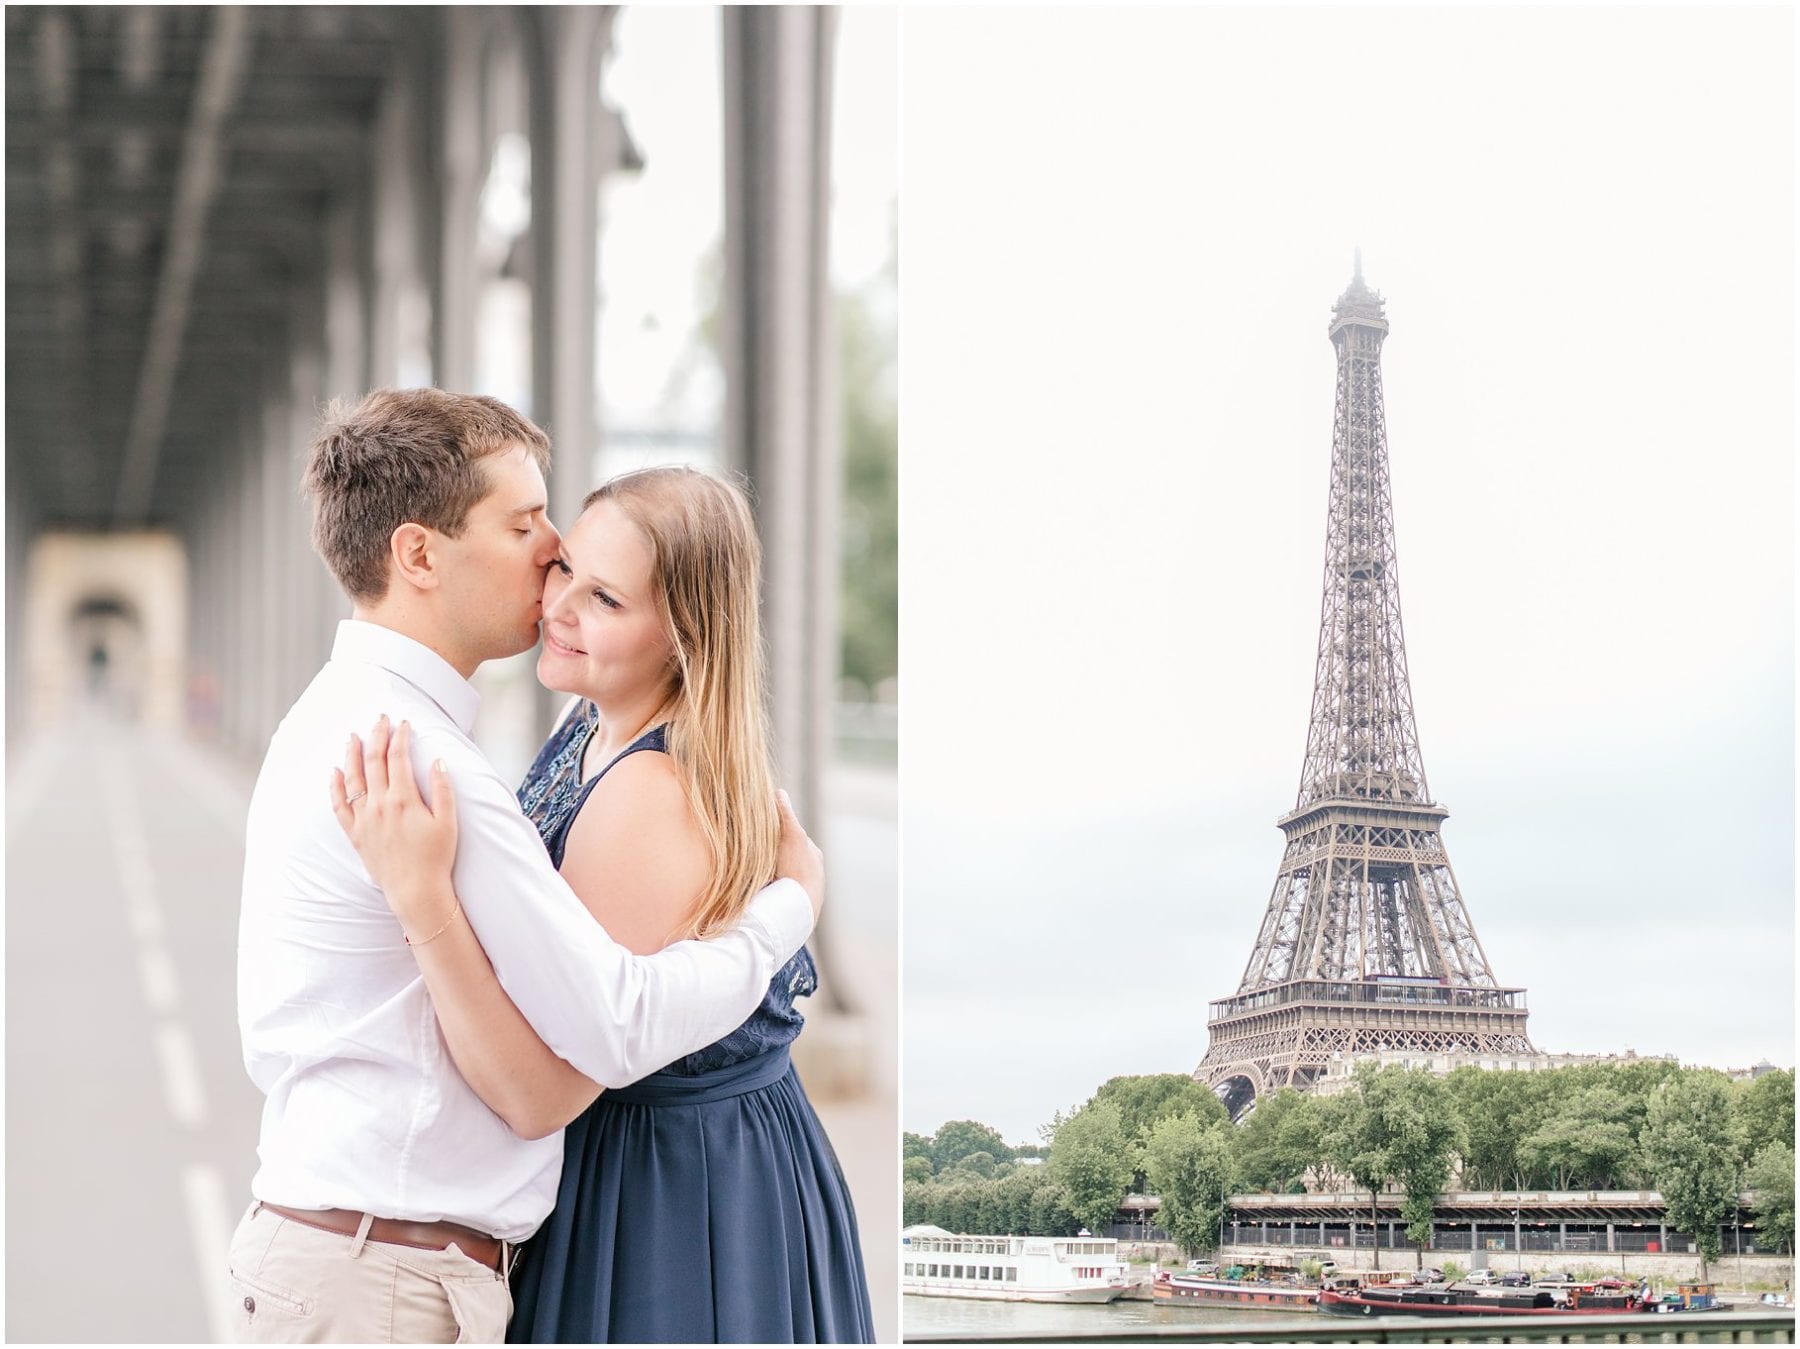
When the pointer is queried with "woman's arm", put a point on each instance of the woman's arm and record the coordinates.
(408, 847)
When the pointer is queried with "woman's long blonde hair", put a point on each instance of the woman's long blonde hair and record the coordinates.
(706, 571)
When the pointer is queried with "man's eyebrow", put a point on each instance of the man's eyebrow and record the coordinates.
(531, 509)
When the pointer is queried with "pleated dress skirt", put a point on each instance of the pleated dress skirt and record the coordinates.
(697, 1209)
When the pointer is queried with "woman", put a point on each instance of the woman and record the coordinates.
(703, 1203)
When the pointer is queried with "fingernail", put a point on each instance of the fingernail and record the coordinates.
(438, 766)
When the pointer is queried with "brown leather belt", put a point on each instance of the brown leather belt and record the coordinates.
(398, 1232)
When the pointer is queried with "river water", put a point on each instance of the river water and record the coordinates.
(973, 1316)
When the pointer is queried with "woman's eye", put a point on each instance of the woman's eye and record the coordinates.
(557, 564)
(606, 599)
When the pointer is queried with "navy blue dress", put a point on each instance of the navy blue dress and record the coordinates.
(702, 1203)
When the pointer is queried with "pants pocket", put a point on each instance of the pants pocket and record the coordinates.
(266, 1313)
(481, 1308)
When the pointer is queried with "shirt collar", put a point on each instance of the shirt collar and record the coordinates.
(413, 661)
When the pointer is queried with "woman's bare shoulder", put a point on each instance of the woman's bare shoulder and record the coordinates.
(635, 854)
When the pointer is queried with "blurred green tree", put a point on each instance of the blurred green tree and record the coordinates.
(869, 606)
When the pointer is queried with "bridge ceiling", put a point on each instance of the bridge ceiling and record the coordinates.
(167, 176)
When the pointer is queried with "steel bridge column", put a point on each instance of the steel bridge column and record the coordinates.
(349, 263)
(566, 144)
(398, 189)
(780, 410)
(302, 652)
(272, 425)
(781, 414)
(461, 166)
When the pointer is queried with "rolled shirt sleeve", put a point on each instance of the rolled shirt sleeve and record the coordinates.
(613, 1015)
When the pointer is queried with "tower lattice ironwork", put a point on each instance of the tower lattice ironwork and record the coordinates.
(1366, 944)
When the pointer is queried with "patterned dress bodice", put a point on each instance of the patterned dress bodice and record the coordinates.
(553, 794)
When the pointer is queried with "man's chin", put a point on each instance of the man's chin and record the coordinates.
(525, 641)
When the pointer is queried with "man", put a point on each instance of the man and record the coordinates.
(389, 1195)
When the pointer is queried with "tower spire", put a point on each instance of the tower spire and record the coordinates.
(1365, 944)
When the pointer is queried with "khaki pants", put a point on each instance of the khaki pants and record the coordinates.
(293, 1284)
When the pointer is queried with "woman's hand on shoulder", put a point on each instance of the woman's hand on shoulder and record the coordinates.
(635, 854)
(407, 844)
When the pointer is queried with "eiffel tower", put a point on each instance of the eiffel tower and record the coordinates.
(1366, 944)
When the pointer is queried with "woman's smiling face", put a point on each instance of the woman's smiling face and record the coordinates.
(604, 634)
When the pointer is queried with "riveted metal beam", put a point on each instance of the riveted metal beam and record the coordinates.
(220, 84)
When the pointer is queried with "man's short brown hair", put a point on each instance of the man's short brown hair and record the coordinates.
(403, 456)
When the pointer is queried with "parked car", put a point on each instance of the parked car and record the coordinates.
(1430, 1274)
(1515, 1278)
(1482, 1276)
(1203, 1267)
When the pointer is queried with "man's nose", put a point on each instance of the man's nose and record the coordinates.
(548, 545)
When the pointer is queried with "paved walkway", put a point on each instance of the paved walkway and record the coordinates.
(130, 1125)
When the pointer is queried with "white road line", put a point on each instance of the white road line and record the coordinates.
(209, 1221)
(181, 1074)
(138, 884)
(182, 1084)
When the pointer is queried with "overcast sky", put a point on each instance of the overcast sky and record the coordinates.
(1123, 232)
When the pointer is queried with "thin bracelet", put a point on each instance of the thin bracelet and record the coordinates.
(440, 932)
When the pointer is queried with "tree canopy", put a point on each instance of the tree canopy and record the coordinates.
(1280, 1142)
(1771, 1178)
(1093, 1161)
(1691, 1143)
(1187, 1158)
(1647, 1124)
(1765, 1109)
(960, 1138)
(1145, 1100)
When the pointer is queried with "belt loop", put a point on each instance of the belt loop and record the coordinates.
(508, 1254)
(362, 1234)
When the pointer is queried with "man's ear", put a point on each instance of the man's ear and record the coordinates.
(412, 548)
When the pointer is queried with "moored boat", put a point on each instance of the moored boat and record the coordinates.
(1179, 1289)
(1456, 1300)
(1688, 1297)
(936, 1263)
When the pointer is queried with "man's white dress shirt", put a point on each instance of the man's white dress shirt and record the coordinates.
(365, 1108)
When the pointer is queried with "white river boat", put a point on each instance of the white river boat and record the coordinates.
(936, 1263)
